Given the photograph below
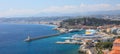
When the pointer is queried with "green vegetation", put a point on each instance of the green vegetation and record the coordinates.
(103, 45)
(118, 37)
(99, 48)
(88, 22)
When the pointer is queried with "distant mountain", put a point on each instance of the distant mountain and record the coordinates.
(59, 17)
(111, 12)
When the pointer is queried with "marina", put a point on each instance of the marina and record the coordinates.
(86, 41)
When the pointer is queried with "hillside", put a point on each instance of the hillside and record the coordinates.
(86, 21)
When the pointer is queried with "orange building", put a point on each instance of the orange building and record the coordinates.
(116, 47)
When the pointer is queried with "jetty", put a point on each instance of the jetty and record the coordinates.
(41, 37)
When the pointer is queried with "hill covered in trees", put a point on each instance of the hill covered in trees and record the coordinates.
(88, 22)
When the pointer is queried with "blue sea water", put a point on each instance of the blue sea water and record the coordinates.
(12, 40)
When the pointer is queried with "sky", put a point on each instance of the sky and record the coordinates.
(21, 8)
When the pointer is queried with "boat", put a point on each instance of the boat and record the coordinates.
(74, 30)
(28, 39)
(66, 37)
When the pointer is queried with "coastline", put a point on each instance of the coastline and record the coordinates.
(49, 25)
(31, 24)
(42, 46)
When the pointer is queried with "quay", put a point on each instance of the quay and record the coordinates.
(41, 37)
(69, 42)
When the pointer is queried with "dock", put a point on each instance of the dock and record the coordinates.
(69, 42)
(42, 37)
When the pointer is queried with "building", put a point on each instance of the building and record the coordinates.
(116, 47)
(108, 30)
(90, 32)
(116, 31)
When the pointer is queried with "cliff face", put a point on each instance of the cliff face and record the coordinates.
(80, 22)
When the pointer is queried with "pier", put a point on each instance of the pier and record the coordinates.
(41, 37)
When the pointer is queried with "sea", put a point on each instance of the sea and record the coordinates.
(12, 38)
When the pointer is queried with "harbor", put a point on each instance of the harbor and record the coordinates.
(61, 31)
(87, 41)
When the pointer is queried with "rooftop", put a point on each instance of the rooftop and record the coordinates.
(117, 40)
(116, 47)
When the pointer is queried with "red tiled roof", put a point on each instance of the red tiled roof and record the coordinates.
(115, 52)
(116, 47)
(117, 41)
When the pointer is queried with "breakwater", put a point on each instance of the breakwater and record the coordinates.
(41, 37)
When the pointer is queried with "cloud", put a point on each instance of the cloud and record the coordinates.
(56, 9)
(11, 12)
(61, 9)
(82, 8)
(117, 4)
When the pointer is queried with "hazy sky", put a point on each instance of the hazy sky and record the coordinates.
(31, 7)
